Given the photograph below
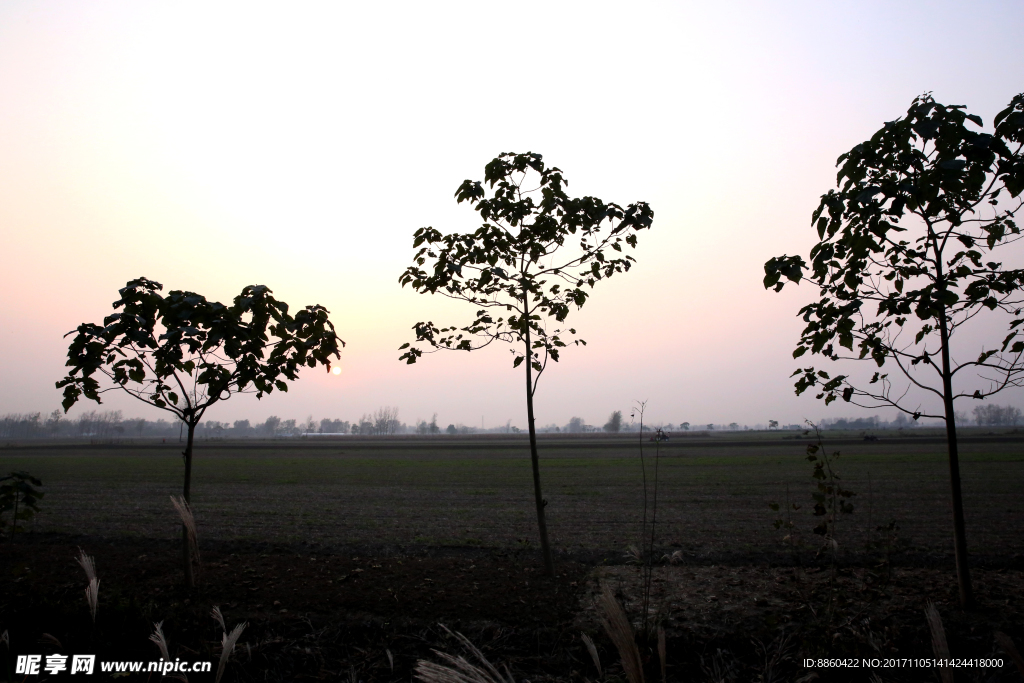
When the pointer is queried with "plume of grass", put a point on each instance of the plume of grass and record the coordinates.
(160, 640)
(459, 669)
(227, 646)
(616, 624)
(88, 565)
(939, 646)
(592, 649)
(391, 659)
(1010, 649)
(50, 641)
(216, 614)
(92, 591)
(92, 596)
(185, 512)
(633, 554)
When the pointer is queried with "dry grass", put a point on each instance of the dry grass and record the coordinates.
(1009, 648)
(185, 512)
(460, 670)
(227, 646)
(92, 591)
(939, 646)
(592, 649)
(617, 625)
(160, 640)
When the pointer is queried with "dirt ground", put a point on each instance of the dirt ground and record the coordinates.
(369, 615)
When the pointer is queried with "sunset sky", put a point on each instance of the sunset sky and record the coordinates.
(210, 146)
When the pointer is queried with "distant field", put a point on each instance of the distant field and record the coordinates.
(476, 491)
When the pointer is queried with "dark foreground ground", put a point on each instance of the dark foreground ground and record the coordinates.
(369, 615)
(401, 538)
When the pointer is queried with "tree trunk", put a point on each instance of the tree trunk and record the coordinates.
(549, 566)
(186, 546)
(963, 572)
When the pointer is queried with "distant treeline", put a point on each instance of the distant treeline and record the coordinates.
(111, 424)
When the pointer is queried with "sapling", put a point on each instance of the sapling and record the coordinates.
(19, 496)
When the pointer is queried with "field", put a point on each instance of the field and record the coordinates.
(455, 515)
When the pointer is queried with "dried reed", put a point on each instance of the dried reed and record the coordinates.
(92, 596)
(92, 591)
(939, 646)
(216, 614)
(633, 554)
(1008, 647)
(185, 512)
(50, 641)
(592, 649)
(88, 564)
(460, 670)
(616, 624)
(227, 646)
(161, 642)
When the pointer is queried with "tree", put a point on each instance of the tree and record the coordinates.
(991, 415)
(182, 353)
(576, 425)
(773, 424)
(685, 426)
(385, 421)
(522, 269)
(921, 208)
(614, 424)
(19, 496)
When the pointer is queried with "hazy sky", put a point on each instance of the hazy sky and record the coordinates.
(209, 146)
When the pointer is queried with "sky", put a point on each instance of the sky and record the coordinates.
(210, 146)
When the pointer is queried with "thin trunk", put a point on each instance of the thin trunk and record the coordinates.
(549, 566)
(186, 547)
(963, 572)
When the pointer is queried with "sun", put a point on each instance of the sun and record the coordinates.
(336, 370)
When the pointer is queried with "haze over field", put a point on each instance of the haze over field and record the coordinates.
(209, 148)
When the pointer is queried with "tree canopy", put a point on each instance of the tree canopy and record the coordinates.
(905, 256)
(182, 353)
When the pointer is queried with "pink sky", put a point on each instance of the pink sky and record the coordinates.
(210, 149)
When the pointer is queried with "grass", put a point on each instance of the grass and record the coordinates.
(477, 490)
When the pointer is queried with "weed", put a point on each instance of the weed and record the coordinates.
(191, 538)
(645, 553)
(592, 649)
(617, 626)
(19, 496)
(92, 591)
(460, 670)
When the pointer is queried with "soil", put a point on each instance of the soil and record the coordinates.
(318, 614)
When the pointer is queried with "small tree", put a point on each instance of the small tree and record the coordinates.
(911, 231)
(18, 496)
(614, 424)
(182, 353)
(522, 271)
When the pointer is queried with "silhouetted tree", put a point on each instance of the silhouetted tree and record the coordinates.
(911, 232)
(522, 268)
(182, 353)
(614, 424)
